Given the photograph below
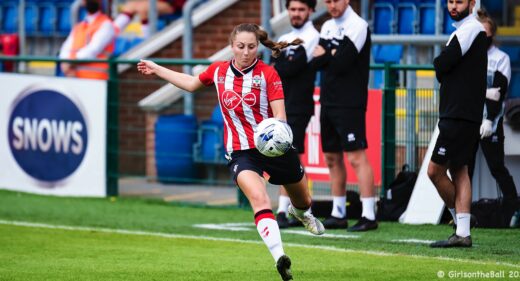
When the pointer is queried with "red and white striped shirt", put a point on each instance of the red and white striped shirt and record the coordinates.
(244, 97)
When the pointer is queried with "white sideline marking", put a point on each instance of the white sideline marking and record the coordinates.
(326, 235)
(226, 226)
(209, 238)
(413, 241)
(250, 227)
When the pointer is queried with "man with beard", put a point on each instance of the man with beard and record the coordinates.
(298, 84)
(343, 55)
(461, 69)
(92, 38)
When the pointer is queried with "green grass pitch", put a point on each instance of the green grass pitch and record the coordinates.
(51, 238)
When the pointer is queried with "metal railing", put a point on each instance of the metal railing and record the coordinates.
(409, 115)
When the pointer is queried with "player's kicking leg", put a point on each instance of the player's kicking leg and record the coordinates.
(301, 206)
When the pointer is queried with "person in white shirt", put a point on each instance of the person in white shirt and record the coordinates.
(492, 129)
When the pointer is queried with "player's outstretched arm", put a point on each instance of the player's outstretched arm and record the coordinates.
(184, 81)
(278, 108)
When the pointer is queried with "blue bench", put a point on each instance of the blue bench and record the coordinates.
(383, 54)
(384, 17)
(209, 148)
(9, 16)
(407, 17)
(427, 18)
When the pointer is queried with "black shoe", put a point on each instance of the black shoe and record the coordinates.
(281, 219)
(363, 224)
(453, 241)
(283, 265)
(335, 223)
(472, 222)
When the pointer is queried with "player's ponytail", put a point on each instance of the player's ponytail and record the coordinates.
(262, 36)
(276, 47)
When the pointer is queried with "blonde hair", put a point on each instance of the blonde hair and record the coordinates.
(263, 37)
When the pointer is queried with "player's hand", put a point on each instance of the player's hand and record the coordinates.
(493, 94)
(147, 67)
(318, 51)
(486, 129)
(333, 52)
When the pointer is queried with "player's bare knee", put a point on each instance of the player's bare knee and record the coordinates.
(355, 162)
(333, 161)
(259, 199)
(433, 173)
(357, 158)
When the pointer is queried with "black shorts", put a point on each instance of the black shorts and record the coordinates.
(285, 169)
(298, 124)
(342, 129)
(457, 143)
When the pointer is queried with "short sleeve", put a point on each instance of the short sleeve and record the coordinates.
(206, 77)
(274, 85)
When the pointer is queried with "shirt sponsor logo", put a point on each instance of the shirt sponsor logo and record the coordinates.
(230, 99)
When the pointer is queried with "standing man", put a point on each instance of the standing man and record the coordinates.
(343, 55)
(92, 38)
(298, 83)
(461, 69)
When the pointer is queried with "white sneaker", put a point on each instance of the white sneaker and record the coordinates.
(311, 223)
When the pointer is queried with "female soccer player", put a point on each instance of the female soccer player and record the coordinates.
(250, 91)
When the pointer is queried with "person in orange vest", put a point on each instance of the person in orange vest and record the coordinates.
(89, 39)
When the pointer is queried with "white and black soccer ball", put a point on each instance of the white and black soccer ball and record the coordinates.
(273, 137)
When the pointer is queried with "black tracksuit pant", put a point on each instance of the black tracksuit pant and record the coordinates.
(493, 149)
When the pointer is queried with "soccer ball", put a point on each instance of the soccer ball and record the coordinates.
(273, 137)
